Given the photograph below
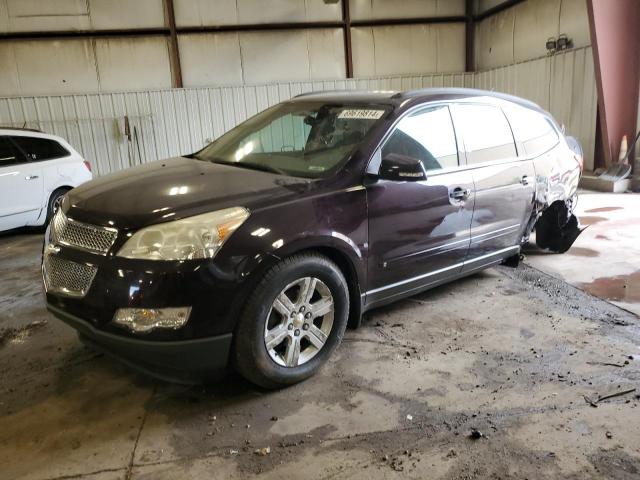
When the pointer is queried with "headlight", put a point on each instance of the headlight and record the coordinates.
(187, 239)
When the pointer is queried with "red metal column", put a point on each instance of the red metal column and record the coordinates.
(615, 37)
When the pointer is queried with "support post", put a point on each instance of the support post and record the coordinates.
(346, 28)
(615, 38)
(469, 33)
(174, 51)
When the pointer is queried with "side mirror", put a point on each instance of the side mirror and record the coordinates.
(401, 168)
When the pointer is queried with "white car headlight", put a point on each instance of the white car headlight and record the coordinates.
(191, 238)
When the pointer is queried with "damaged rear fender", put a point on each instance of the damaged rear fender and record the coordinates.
(557, 227)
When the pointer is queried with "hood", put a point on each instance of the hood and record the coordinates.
(176, 188)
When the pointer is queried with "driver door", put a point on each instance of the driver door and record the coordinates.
(419, 231)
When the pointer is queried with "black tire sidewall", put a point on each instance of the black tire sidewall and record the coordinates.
(252, 357)
(52, 200)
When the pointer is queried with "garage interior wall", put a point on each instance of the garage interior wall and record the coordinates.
(231, 69)
(519, 33)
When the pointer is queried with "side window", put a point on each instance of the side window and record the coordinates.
(486, 133)
(426, 135)
(533, 130)
(9, 154)
(38, 149)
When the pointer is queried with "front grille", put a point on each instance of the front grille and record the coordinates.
(66, 277)
(66, 231)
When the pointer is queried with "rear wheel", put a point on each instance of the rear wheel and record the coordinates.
(293, 321)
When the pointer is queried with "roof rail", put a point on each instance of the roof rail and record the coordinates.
(469, 91)
(21, 129)
(316, 92)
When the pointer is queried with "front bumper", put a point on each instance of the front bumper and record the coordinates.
(182, 361)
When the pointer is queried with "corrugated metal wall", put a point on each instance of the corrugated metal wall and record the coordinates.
(164, 123)
(564, 84)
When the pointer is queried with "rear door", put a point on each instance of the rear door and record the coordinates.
(419, 230)
(504, 183)
(20, 187)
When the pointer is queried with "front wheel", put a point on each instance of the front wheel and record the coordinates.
(293, 321)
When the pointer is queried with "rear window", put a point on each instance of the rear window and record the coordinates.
(533, 130)
(38, 149)
(486, 133)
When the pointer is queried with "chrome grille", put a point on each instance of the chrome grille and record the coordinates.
(66, 277)
(66, 231)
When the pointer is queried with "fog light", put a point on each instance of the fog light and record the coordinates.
(143, 320)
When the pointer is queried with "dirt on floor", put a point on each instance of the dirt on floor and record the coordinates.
(504, 374)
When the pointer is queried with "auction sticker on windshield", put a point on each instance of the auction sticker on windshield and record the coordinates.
(361, 114)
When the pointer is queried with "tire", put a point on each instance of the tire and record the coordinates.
(279, 366)
(53, 204)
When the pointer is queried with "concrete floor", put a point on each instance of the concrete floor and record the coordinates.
(511, 353)
(605, 259)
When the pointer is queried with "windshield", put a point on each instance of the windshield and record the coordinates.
(303, 139)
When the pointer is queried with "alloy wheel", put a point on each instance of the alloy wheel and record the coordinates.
(299, 322)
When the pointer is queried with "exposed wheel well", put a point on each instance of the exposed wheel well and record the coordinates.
(47, 213)
(344, 263)
(65, 188)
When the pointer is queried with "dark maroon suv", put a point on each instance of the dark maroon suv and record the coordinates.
(261, 248)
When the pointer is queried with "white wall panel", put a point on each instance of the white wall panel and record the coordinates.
(133, 63)
(451, 47)
(574, 21)
(232, 12)
(210, 59)
(38, 15)
(257, 11)
(376, 9)
(121, 14)
(198, 13)
(9, 80)
(408, 49)
(494, 40)
(58, 15)
(326, 54)
(274, 56)
(520, 33)
(53, 66)
(534, 23)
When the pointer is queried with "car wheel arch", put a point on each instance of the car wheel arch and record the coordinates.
(339, 255)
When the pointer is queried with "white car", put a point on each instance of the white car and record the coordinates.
(36, 170)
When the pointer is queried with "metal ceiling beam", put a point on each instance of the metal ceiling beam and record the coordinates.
(490, 12)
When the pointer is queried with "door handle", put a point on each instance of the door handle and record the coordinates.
(459, 193)
(31, 177)
(525, 180)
